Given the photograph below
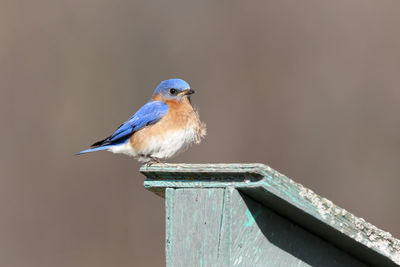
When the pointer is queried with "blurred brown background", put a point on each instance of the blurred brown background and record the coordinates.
(309, 87)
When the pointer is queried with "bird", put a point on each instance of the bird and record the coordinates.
(163, 127)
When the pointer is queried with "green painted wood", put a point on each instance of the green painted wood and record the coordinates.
(287, 198)
(197, 227)
(261, 237)
(221, 227)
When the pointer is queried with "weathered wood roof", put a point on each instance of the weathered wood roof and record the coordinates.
(286, 197)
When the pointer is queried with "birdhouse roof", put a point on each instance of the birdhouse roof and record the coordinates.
(287, 198)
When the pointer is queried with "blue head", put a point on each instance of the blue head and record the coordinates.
(174, 89)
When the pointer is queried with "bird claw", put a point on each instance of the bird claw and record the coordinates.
(153, 160)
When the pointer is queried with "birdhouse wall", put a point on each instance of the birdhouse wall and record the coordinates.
(223, 227)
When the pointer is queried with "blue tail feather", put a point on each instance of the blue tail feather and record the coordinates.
(94, 149)
(104, 147)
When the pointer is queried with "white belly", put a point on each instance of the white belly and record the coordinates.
(123, 149)
(169, 144)
(160, 146)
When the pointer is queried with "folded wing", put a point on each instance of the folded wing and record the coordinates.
(149, 114)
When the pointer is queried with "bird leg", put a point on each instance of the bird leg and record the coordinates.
(155, 160)
(152, 160)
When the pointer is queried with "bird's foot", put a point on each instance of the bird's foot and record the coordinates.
(153, 160)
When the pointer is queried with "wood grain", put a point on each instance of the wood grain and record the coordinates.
(287, 198)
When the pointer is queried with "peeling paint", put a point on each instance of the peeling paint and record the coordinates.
(365, 232)
(258, 179)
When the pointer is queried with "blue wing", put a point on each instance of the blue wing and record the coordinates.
(149, 114)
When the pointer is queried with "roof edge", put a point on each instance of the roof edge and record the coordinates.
(260, 181)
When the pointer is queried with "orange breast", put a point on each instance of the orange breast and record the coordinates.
(180, 115)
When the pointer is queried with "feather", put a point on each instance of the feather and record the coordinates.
(147, 115)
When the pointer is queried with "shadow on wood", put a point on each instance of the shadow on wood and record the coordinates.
(273, 221)
(286, 236)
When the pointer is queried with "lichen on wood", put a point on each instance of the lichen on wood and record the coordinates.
(288, 198)
(363, 231)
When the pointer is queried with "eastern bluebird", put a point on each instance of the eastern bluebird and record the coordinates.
(163, 127)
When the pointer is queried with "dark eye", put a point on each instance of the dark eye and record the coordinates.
(172, 91)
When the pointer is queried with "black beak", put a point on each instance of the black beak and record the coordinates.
(187, 92)
(190, 91)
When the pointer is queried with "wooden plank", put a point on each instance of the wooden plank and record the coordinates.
(286, 197)
(221, 227)
(261, 237)
(197, 227)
